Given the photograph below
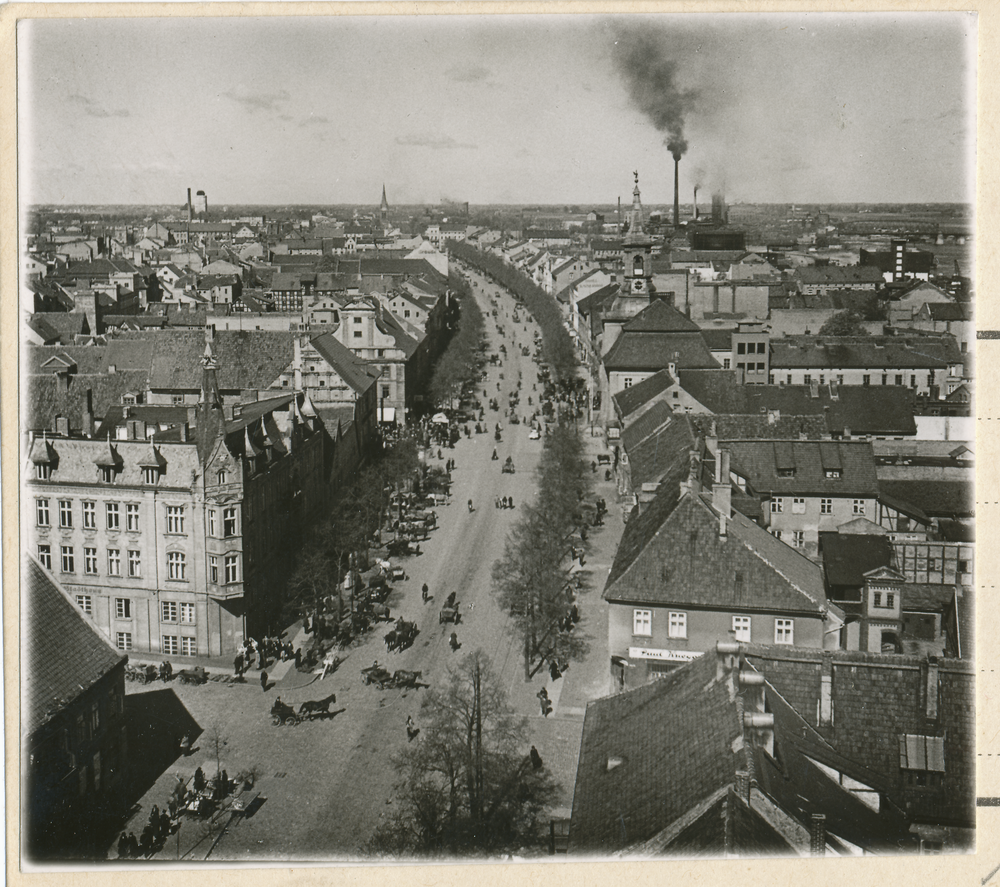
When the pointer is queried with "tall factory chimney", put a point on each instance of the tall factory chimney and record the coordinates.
(677, 194)
(619, 214)
(190, 209)
(696, 201)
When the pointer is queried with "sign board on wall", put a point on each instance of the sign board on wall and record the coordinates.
(662, 655)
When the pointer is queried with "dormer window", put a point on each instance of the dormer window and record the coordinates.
(832, 473)
(150, 476)
(222, 476)
(43, 472)
(105, 474)
(786, 472)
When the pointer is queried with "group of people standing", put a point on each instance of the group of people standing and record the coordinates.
(504, 502)
(262, 652)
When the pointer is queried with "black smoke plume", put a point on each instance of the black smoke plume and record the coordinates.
(651, 79)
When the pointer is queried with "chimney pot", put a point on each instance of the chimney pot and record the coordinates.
(817, 835)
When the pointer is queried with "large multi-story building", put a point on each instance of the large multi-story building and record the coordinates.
(171, 527)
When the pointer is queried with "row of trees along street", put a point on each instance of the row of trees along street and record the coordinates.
(461, 362)
(469, 786)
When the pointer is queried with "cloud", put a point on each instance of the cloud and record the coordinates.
(314, 121)
(96, 110)
(259, 101)
(468, 73)
(446, 143)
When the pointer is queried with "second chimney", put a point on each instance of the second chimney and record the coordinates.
(677, 192)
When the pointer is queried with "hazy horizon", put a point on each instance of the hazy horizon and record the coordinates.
(811, 108)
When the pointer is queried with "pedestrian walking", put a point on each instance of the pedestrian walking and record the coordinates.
(298, 657)
(424, 592)
(199, 780)
(238, 665)
(263, 681)
(536, 758)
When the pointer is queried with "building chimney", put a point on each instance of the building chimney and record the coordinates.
(817, 835)
(696, 201)
(677, 193)
(88, 414)
(726, 656)
(931, 708)
(752, 687)
(192, 416)
(189, 205)
(814, 389)
(62, 425)
(826, 694)
(185, 432)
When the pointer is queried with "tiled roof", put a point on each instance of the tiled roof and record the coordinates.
(946, 311)
(759, 461)
(864, 352)
(399, 267)
(718, 339)
(733, 426)
(839, 274)
(650, 755)
(654, 351)
(935, 498)
(868, 735)
(57, 673)
(390, 325)
(675, 556)
(60, 325)
(706, 255)
(660, 317)
(597, 298)
(847, 557)
(351, 368)
(879, 409)
(658, 447)
(635, 396)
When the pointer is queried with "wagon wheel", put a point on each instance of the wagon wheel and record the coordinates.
(292, 721)
(276, 720)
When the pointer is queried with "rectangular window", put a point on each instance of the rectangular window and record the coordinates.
(678, 625)
(177, 399)
(777, 506)
(788, 379)
(42, 512)
(357, 334)
(890, 600)
(232, 568)
(176, 565)
(187, 613)
(885, 379)
(213, 529)
(114, 562)
(798, 506)
(726, 363)
(963, 566)
(123, 608)
(932, 563)
(760, 368)
(826, 506)
(134, 563)
(642, 622)
(876, 598)
(45, 556)
(784, 631)
(213, 569)
(859, 506)
(90, 515)
(150, 476)
(168, 611)
(175, 518)
(90, 561)
(899, 378)
(229, 522)
(132, 517)
(627, 382)
(43, 472)
(913, 381)
(741, 348)
(807, 379)
(741, 628)
(799, 538)
(86, 603)
(123, 640)
(832, 473)
(111, 513)
(106, 474)
(169, 645)
(65, 514)
(188, 647)
(68, 562)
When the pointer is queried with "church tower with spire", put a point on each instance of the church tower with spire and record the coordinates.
(383, 211)
(637, 252)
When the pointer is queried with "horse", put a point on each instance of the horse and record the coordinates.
(317, 706)
(391, 640)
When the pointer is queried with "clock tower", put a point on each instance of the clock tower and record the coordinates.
(637, 252)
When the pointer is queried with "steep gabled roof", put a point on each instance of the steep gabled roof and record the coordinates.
(660, 317)
(673, 554)
(637, 395)
(765, 465)
(56, 674)
(351, 368)
(935, 498)
(646, 352)
(847, 557)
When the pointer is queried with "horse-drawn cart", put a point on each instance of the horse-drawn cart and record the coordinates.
(376, 674)
(449, 614)
(283, 714)
(194, 675)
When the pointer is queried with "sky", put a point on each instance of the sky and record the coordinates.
(808, 108)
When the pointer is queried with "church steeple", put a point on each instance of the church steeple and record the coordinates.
(383, 211)
(637, 251)
(211, 419)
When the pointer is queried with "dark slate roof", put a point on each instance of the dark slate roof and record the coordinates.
(635, 432)
(838, 274)
(664, 455)
(676, 739)
(388, 323)
(864, 352)
(706, 255)
(926, 597)
(760, 427)
(654, 351)
(935, 498)
(635, 396)
(675, 556)
(660, 317)
(879, 409)
(46, 397)
(847, 557)
(946, 311)
(869, 735)
(597, 298)
(61, 325)
(56, 673)
(758, 461)
(718, 339)
(399, 267)
(351, 368)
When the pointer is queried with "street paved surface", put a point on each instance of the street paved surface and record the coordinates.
(324, 785)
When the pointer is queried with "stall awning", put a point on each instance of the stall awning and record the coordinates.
(387, 414)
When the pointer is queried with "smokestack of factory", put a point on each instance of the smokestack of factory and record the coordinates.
(677, 192)
(189, 205)
(696, 201)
